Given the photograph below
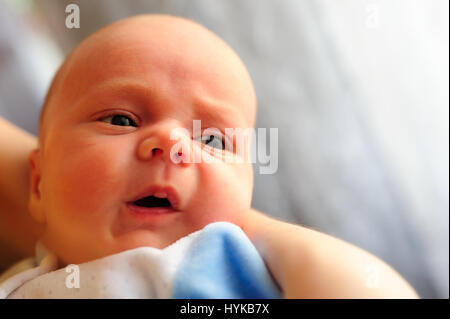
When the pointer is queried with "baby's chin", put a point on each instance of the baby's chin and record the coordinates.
(145, 238)
(102, 246)
(159, 239)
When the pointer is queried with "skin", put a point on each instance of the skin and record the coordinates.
(309, 264)
(85, 169)
(18, 231)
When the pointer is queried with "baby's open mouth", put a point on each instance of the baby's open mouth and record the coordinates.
(156, 200)
(152, 201)
(151, 206)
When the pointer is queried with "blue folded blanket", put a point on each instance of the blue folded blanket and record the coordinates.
(223, 263)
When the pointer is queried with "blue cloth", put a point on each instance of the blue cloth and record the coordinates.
(223, 263)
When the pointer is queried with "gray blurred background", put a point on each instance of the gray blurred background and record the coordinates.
(358, 90)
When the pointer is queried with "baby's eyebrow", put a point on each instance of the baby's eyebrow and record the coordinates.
(209, 109)
(217, 112)
(121, 87)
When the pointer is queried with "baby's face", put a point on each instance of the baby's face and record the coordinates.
(107, 140)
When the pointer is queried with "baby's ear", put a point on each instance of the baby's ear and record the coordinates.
(35, 205)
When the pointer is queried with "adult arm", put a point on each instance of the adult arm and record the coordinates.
(18, 232)
(310, 264)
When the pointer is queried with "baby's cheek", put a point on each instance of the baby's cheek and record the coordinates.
(89, 180)
(227, 189)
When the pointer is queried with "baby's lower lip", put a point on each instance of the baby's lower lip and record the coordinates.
(146, 211)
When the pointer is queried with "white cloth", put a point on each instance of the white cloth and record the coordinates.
(115, 276)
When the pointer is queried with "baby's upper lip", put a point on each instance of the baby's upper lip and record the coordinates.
(161, 191)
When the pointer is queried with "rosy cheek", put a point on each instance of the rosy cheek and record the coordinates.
(88, 175)
(227, 191)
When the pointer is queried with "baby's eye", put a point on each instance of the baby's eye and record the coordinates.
(213, 141)
(120, 120)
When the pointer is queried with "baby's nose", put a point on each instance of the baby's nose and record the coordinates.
(160, 145)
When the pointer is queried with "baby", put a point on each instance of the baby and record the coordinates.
(105, 139)
(110, 176)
